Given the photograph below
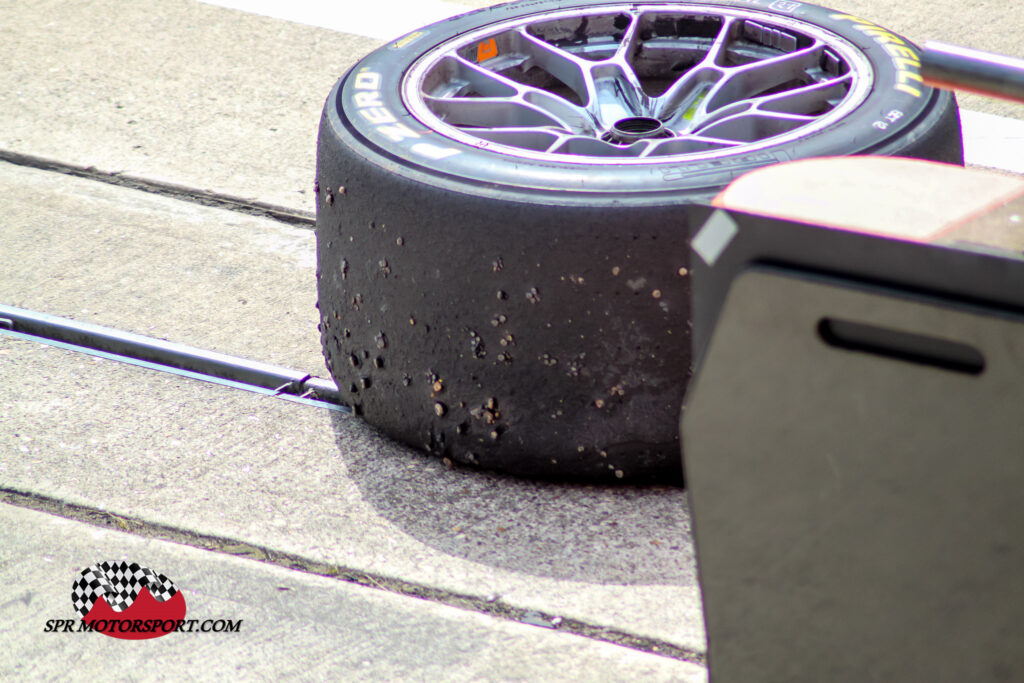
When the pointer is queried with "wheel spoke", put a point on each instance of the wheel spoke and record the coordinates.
(609, 89)
(629, 41)
(817, 97)
(751, 80)
(483, 81)
(496, 87)
(689, 145)
(599, 148)
(561, 64)
(697, 80)
(754, 125)
(491, 112)
(809, 100)
(539, 139)
(620, 92)
(571, 117)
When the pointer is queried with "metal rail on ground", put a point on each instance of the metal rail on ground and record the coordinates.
(169, 356)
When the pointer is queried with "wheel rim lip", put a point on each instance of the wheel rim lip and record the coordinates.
(862, 76)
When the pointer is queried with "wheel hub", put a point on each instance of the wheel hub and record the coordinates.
(628, 130)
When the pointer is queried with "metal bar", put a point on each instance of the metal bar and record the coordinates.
(316, 403)
(168, 354)
(959, 68)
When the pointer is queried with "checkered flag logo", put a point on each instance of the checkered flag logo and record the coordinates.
(119, 583)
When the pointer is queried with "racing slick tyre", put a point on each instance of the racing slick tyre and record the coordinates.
(502, 210)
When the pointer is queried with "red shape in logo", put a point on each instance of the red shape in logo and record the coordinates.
(146, 618)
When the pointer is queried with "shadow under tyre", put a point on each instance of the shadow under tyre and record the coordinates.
(502, 210)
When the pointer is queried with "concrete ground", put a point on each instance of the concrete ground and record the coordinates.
(345, 555)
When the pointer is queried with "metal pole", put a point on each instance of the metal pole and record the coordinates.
(169, 354)
(959, 68)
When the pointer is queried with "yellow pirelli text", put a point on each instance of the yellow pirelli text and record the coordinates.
(904, 57)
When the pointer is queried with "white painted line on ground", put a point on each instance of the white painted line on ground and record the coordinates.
(993, 141)
(989, 140)
(379, 19)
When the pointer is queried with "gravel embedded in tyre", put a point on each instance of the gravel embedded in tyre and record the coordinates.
(502, 210)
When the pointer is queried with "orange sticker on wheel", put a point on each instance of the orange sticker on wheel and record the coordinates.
(486, 50)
